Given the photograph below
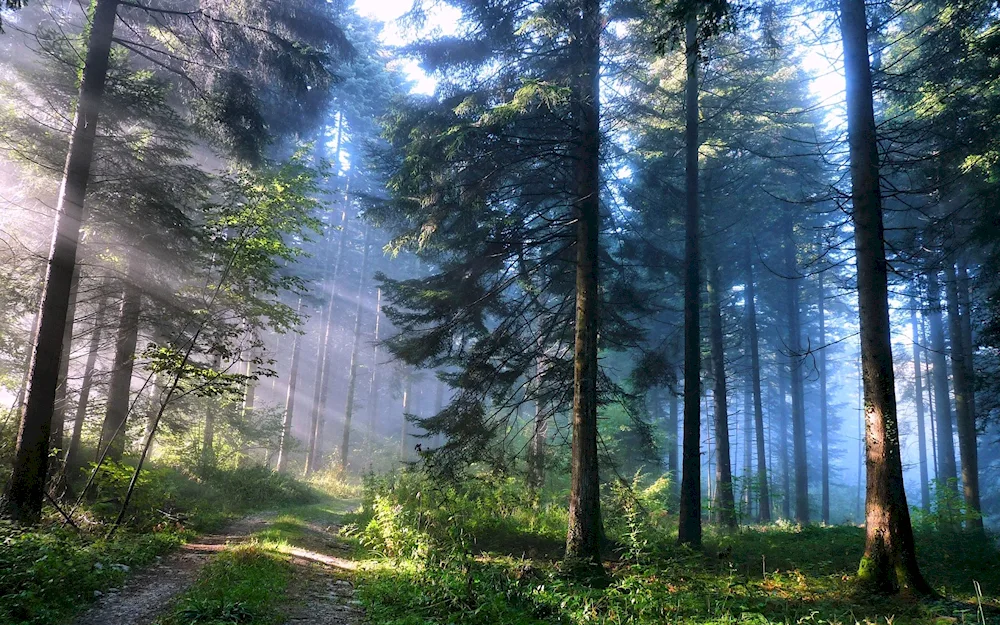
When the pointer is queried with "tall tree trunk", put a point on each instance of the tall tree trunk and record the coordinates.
(823, 418)
(584, 531)
(673, 440)
(758, 409)
(73, 460)
(795, 376)
(968, 445)
(947, 465)
(321, 391)
(285, 442)
(373, 385)
(964, 300)
(724, 502)
(747, 472)
(786, 474)
(352, 376)
(930, 394)
(404, 435)
(113, 432)
(890, 560)
(689, 523)
(62, 388)
(925, 493)
(208, 432)
(26, 488)
(536, 449)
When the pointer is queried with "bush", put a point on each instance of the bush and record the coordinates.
(45, 574)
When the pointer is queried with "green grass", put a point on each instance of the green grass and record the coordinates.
(245, 584)
(248, 584)
(51, 572)
(47, 574)
(430, 562)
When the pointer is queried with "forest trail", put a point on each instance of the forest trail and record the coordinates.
(320, 591)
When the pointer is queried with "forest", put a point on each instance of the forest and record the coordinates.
(515, 312)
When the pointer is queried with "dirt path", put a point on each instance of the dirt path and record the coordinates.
(320, 592)
(147, 593)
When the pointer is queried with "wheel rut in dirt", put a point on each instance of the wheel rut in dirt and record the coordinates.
(146, 594)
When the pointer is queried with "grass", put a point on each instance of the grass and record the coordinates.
(439, 558)
(51, 572)
(249, 584)
(245, 584)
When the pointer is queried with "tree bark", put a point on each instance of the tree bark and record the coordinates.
(673, 447)
(724, 502)
(795, 377)
(373, 386)
(73, 460)
(966, 421)
(747, 473)
(890, 561)
(62, 388)
(689, 524)
(786, 474)
(113, 432)
(823, 416)
(925, 493)
(355, 354)
(26, 488)
(947, 465)
(758, 409)
(285, 442)
(930, 394)
(584, 531)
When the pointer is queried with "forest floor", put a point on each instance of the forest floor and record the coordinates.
(269, 568)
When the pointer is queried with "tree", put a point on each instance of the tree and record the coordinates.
(25, 491)
(889, 562)
(689, 530)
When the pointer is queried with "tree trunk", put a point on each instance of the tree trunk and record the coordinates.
(73, 460)
(930, 395)
(890, 560)
(404, 451)
(795, 377)
(355, 354)
(113, 433)
(948, 467)
(968, 445)
(758, 409)
(786, 474)
(62, 388)
(321, 391)
(673, 447)
(964, 300)
(724, 503)
(747, 473)
(823, 418)
(689, 523)
(373, 386)
(925, 493)
(26, 488)
(584, 531)
(208, 433)
(285, 442)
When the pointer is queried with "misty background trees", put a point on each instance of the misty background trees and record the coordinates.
(614, 238)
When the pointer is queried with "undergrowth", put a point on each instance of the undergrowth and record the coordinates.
(459, 554)
(244, 584)
(49, 572)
